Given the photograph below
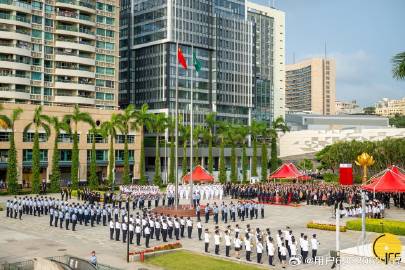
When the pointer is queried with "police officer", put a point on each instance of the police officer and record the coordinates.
(124, 232)
(111, 230)
(74, 221)
(131, 232)
(189, 225)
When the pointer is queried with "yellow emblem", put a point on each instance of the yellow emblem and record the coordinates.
(387, 248)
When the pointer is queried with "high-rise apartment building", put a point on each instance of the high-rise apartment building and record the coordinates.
(268, 61)
(59, 52)
(311, 86)
(221, 33)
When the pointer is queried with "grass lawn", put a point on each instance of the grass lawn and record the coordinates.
(185, 260)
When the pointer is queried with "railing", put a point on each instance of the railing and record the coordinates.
(67, 14)
(16, 3)
(86, 31)
(67, 28)
(14, 18)
(9, 74)
(91, 5)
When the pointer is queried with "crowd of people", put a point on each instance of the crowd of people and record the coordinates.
(284, 245)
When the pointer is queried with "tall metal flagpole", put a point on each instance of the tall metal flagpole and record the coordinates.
(191, 132)
(176, 189)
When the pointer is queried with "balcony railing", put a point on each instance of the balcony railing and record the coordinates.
(67, 28)
(87, 4)
(16, 3)
(14, 18)
(67, 14)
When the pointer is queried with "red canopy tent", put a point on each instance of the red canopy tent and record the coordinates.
(389, 181)
(288, 171)
(199, 175)
(397, 170)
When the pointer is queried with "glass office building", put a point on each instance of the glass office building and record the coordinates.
(220, 34)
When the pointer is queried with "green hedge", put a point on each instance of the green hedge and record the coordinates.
(330, 177)
(325, 227)
(374, 225)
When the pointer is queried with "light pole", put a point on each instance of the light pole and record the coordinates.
(128, 229)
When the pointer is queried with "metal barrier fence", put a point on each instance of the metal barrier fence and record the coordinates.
(69, 262)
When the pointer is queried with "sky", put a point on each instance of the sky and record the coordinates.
(362, 36)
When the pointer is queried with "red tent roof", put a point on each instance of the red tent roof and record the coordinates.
(389, 181)
(396, 170)
(199, 175)
(288, 171)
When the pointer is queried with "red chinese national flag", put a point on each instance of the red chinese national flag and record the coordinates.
(181, 58)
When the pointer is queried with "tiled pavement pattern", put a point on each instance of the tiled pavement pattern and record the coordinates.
(32, 236)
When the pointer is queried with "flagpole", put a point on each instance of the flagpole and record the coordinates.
(176, 127)
(191, 132)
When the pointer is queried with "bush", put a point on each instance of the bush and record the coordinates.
(325, 227)
(374, 225)
(330, 177)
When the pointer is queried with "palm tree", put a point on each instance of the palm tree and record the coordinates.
(57, 126)
(93, 179)
(399, 66)
(74, 118)
(276, 126)
(197, 132)
(184, 136)
(127, 124)
(171, 126)
(7, 122)
(142, 119)
(158, 125)
(210, 119)
(222, 133)
(233, 138)
(40, 122)
(256, 129)
(110, 129)
(243, 132)
(265, 134)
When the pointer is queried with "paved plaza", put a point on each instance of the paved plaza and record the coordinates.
(32, 236)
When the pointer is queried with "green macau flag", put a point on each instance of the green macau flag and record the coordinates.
(196, 62)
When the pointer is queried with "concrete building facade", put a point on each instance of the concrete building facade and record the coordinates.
(24, 145)
(390, 107)
(348, 107)
(311, 86)
(59, 52)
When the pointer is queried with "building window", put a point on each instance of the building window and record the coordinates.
(65, 155)
(4, 136)
(27, 155)
(29, 137)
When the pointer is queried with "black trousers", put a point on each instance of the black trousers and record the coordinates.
(182, 230)
(177, 233)
(117, 235)
(199, 233)
(314, 253)
(67, 224)
(304, 256)
(248, 255)
(216, 249)
(124, 236)
(206, 247)
(227, 249)
(61, 223)
(111, 233)
(189, 231)
(131, 236)
(138, 239)
(147, 240)
(74, 222)
(259, 257)
(56, 221)
(50, 220)
(271, 260)
(157, 233)
(164, 235)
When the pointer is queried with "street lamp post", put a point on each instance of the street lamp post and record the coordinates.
(128, 229)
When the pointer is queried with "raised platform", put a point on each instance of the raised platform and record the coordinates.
(181, 211)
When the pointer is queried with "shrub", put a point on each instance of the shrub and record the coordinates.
(374, 225)
(330, 177)
(325, 227)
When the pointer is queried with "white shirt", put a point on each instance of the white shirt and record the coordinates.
(217, 239)
(283, 251)
(270, 247)
(206, 237)
(293, 248)
(314, 243)
(247, 245)
(259, 247)
(305, 245)
(117, 225)
(199, 226)
(237, 243)
(227, 240)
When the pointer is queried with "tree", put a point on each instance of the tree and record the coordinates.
(256, 129)
(57, 126)
(142, 120)
(110, 129)
(7, 122)
(74, 118)
(40, 122)
(222, 131)
(127, 125)
(93, 179)
(243, 132)
(158, 126)
(397, 121)
(197, 132)
(171, 126)
(306, 164)
(398, 69)
(184, 136)
(369, 110)
(210, 119)
(264, 161)
(232, 137)
(277, 125)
